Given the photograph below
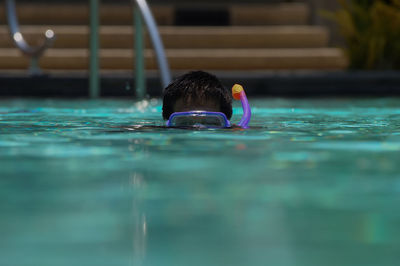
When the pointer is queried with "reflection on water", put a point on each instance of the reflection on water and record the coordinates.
(139, 221)
(314, 182)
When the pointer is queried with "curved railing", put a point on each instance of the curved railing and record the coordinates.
(145, 13)
(156, 40)
(94, 80)
(16, 35)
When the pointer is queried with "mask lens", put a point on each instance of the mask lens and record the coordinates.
(189, 120)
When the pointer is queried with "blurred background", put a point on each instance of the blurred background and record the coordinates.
(213, 35)
(228, 36)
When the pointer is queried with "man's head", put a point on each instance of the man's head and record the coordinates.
(196, 90)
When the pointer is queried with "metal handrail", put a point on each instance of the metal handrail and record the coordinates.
(36, 52)
(94, 80)
(156, 40)
(16, 35)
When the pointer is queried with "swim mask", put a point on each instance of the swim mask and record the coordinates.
(198, 119)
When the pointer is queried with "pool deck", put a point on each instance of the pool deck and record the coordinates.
(260, 83)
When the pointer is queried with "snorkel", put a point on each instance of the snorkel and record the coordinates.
(207, 119)
(239, 94)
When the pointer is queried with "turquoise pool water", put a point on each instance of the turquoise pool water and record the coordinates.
(316, 183)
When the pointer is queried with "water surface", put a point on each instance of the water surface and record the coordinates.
(314, 182)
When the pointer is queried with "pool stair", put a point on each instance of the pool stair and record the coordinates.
(121, 14)
(256, 37)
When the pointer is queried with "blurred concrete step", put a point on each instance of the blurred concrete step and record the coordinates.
(187, 59)
(121, 14)
(78, 14)
(183, 37)
(270, 14)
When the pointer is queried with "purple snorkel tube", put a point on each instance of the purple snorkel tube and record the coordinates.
(239, 94)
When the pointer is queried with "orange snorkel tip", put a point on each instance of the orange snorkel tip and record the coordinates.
(236, 91)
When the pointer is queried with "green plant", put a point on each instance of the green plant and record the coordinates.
(371, 29)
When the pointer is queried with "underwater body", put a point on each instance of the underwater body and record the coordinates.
(311, 182)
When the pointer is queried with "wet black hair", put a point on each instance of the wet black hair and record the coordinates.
(195, 88)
